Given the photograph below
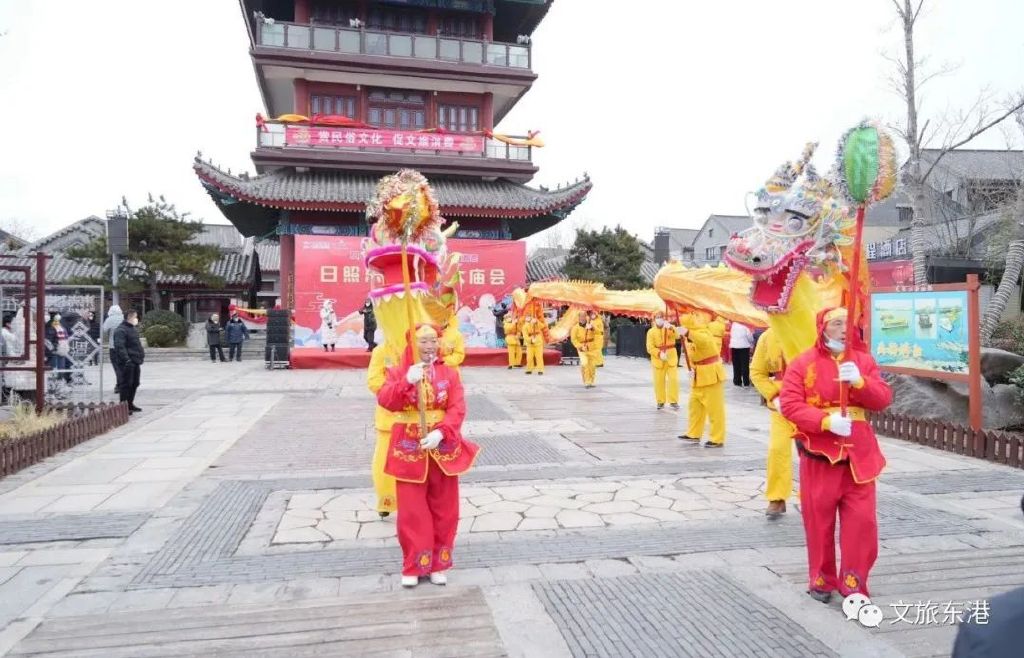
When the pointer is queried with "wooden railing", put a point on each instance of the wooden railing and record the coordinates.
(362, 41)
(84, 422)
(990, 445)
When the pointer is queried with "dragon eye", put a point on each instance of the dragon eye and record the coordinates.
(794, 223)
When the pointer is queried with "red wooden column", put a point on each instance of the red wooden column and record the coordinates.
(488, 25)
(302, 11)
(974, 352)
(301, 105)
(488, 112)
(287, 271)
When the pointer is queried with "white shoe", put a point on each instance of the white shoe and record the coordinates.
(439, 578)
(410, 581)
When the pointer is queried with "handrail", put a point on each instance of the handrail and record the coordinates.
(364, 41)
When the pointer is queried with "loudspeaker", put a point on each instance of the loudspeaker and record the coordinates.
(277, 352)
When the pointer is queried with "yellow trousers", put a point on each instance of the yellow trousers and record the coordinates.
(780, 459)
(515, 355)
(535, 358)
(707, 402)
(666, 383)
(384, 484)
(588, 367)
(598, 357)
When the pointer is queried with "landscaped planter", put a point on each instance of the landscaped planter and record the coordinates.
(83, 423)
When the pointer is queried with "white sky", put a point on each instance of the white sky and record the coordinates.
(676, 109)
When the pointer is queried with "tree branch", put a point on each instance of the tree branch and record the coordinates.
(1019, 104)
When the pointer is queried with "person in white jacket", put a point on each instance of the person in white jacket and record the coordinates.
(115, 316)
(741, 340)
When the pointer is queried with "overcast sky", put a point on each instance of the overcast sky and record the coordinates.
(675, 109)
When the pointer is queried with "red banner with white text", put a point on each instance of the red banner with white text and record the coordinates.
(332, 268)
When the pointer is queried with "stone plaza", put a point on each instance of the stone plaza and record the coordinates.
(234, 516)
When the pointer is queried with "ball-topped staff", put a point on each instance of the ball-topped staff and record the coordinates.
(866, 173)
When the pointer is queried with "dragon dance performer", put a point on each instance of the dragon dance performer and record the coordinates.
(453, 345)
(584, 338)
(381, 359)
(598, 323)
(702, 341)
(534, 338)
(426, 462)
(839, 455)
(766, 372)
(513, 329)
(661, 346)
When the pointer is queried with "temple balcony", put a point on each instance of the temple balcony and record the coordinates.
(376, 150)
(379, 43)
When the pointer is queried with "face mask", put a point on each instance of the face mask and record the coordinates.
(659, 322)
(56, 318)
(835, 345)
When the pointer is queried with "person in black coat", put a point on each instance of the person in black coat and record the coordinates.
(369, 325)
(500, 311)
(992, 628)
(127, 355)
(236, 333)
(94, 333)
(213, 338)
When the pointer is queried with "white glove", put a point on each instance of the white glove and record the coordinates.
(849, 372)
(431, 440)
(839, 424)
(683, 331)
(415, 373)
(663, 356)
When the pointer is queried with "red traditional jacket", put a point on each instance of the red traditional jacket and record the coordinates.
(810, 393)
(446, 409)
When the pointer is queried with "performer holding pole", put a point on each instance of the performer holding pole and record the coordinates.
(661, 346)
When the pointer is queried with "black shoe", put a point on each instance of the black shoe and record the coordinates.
(675, 406)
(820, 596)
(661, 405)
(132, 408)
(528, 372)
(712, 444)
(510, 367)
(540, 374)
(384, 515)
(694, 441)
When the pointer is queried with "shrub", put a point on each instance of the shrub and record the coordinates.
(1017, 379)
(168, 319)
(1009, 336)
(24, 421)
(159, 335)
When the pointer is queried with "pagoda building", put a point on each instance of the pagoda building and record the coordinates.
(357, 89)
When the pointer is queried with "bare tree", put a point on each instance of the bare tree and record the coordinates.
(22, 229)
(960, 130)
(1014, 262)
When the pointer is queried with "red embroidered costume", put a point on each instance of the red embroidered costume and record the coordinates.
(427, 479)
(839, 460)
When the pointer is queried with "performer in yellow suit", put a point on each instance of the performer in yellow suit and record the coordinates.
(702, 341)
(584, 338)
(661, 345)
(766, 371)
(515, 349)
(534, 337)
(453, 345)
(383, 420)
(598, 323)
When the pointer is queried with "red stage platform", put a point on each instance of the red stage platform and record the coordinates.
(313, 358)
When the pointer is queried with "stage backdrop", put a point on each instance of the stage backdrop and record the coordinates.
(329, 267)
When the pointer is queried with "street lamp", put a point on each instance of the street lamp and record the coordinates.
(117, 244)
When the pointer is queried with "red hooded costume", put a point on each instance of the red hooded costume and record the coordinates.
(427, 485)
(837, 474)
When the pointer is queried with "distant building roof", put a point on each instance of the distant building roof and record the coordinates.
(547, 264)
(270, 256)
(979, 164)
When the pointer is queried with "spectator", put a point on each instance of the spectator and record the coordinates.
(57, 347)
(94, 334)
(369, 325)
(499, 311)
(213, 338)
(998, 634)
(236, 332)
(114, 319)
(127, 356)
(741, 341)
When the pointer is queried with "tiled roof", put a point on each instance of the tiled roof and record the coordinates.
(288, 189)
(733, 223)
(223, 236)
(270, 256)
(548, 267)
(89, 228)
(979, 164)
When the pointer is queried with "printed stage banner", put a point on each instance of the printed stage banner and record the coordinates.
(921, 330)
(331, 267)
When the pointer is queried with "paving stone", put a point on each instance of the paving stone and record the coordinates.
(70, 527)
(541, 512)
(309, 588)
(548, 500)
(625, 519)
(516, 573)
(516, 493)
(597, 497)
(496, 521)
(312, 501)
(609, 617)
(75, 605)
(578, 519)
(504, 506)
(631, 493)
(564, 571)
(610, 568)
(613, 507)
(660, 514)
(291, 522)
(538, 524)
(468, 510)
(336, 529)
(8, 558)
(649, 563)
(300, 536)
(195, 596)
(475, 577)
(378, 530)
(486, 499)
(692, 505)
(597, 487)
(655, 501)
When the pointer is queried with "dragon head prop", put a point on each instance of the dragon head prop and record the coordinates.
(800, 222)
(405, 218)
